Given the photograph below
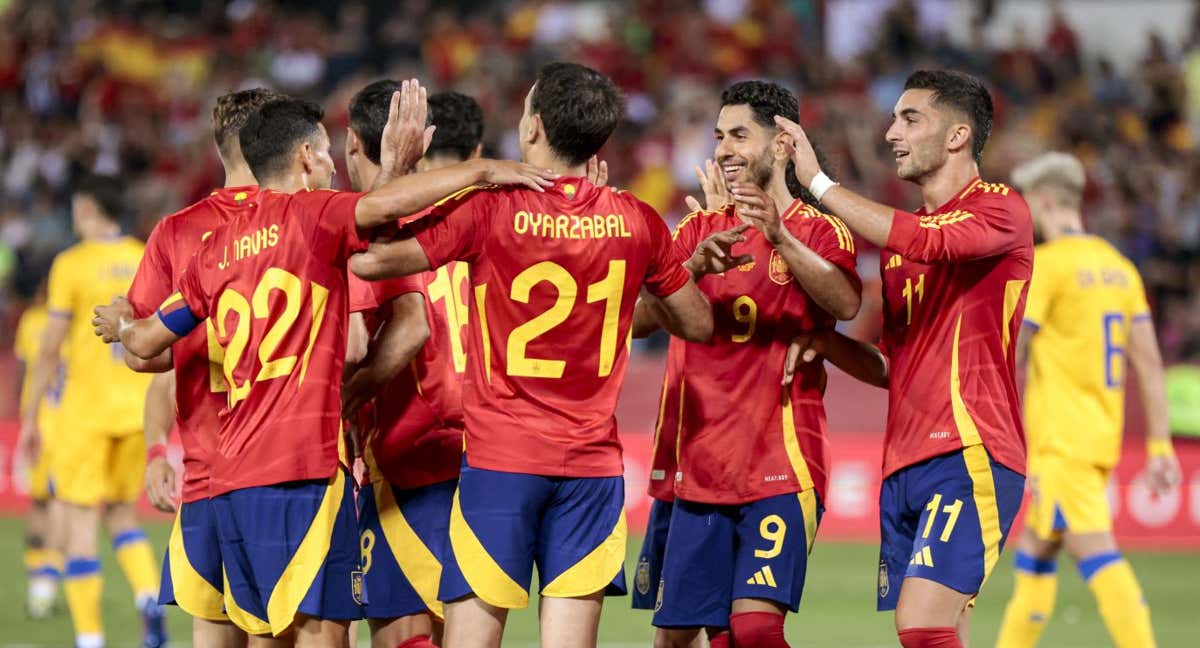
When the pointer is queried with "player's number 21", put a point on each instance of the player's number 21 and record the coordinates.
(225, 358)
(608, 290)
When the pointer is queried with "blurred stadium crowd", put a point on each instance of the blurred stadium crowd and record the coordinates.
(124, 89)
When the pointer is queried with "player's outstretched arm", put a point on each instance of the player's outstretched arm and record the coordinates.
(686, 314)
(859, 359)
(1162, 468)
(386, 259)
(157, 419)
(41, 376)
(144, 338)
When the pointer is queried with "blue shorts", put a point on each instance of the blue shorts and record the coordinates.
(503, 524)
(405, 539)
(650, 561)
(191, 575)
(945, 520)
(290, 549)
(719, 553)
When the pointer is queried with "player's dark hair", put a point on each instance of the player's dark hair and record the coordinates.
(369, 114)
(107, 193)
(962, 92)
(579, 107)
(766, 100)
(232, 111)
(459, 121)
(272, 133)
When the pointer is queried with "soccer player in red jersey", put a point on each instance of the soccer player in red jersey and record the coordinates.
(554, 278)
(955, 276)
(750, 480)
(413, 378)
(274, 281)
(188, 394)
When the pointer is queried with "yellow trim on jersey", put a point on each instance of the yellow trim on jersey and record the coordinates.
(480, 303)
(320, 298)
(247, 621)
(298, 576)
(970, 188)
(662, 410)
(938, 221)
(487, 579)
(1012, 295)
(416, 561)
(807, 494)
(193, 593)
(967, 432)
(175, 297)
(679, 430)
(596, 570)
(462, 192)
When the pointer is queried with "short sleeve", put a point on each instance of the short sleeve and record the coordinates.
(1042, 288)
(60, 287)
(687, 235)
(455, 228)
(1139, 308)
(192, 290)
(829, 237)
(152, 283)
(665, 273)
(389, 289)
(362, 294)
(334, 235)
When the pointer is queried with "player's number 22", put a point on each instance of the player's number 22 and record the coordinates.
(608, 290)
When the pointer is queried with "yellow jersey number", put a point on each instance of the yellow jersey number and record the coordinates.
(449, 289)
(224, 359)
(609, 290)
(913, 293)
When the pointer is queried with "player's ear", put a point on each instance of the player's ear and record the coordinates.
(534, 130)
(353, 144)
(307, 157)
(958, 136)
(781, 146)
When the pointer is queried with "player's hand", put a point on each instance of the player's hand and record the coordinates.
(160, 484)
(597, 171)
(107, 320)
(29, 443)
(807, 166)
(1162, 474)
(758, 209)
(508, 172)
(712, 183)
(714, 254)
(806, 347)
(358, 388)
(405, 137)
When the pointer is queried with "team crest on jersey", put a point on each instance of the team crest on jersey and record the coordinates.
(356, 587)
(641, 579)
(569, 190)
(777, 269)
(884, 587)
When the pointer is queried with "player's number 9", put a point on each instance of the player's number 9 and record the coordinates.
(449, 290)
(772, 529)
(225, 358)
(609, 290)
(745, 311)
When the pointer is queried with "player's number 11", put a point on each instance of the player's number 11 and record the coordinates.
(935, 503)
(910, 291)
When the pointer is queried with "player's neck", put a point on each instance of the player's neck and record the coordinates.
(239, 176)
(547, 160)
(285, 184)
(940, 186)
(778, 191)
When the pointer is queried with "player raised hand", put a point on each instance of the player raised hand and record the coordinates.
(508, 172)
(406, 137)
(712, 183)
(714, 254)
(107, 322)
(807, 166)
(597, 171)
(161, 484)
(757, 209)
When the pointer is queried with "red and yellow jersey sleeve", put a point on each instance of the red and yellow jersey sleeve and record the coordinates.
(981, 225)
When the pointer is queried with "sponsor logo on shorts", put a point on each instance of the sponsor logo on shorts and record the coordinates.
(642, 579)
(884, 587)
(356, 587)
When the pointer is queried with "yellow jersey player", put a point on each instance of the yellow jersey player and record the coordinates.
(98, 454)
(1085, 317)
(43, 560)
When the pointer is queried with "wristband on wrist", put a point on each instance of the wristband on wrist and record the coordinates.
(156, 451)
(820, 184)
(1160, 448)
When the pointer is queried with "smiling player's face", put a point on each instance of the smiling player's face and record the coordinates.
(918, 135)
(743, 146)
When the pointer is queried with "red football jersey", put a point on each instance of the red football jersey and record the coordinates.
(954, 286)
(554, 278)
(742, 436)
(198, 387)
(416, 435)
(273, 280)
(664, 459)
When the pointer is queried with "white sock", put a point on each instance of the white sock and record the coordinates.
(89, 641)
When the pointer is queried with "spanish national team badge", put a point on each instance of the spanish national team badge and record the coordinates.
(357, 588)
(569, 189)
(778, 270)
(642, 578)
(658, 601)
(883, 580)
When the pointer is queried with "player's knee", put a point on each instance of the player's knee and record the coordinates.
(675, 637)
(763, 629)
(944, 637)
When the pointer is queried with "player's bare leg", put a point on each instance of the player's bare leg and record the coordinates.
(322, 633)
(389, 633)
(964, 628)
(136, 559)
(679, 638)
(927, 604)
(1033, 596)
(218, 634)
(267, 641)
(471, 623)
(570, 622)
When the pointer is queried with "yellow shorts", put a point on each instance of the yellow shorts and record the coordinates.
(40, 488)
(95, 469)
(1068, 496)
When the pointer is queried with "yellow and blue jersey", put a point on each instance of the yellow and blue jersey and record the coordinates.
(1082, 302)
(99, 393)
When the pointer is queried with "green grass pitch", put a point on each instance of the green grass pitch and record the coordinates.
(838, 607)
